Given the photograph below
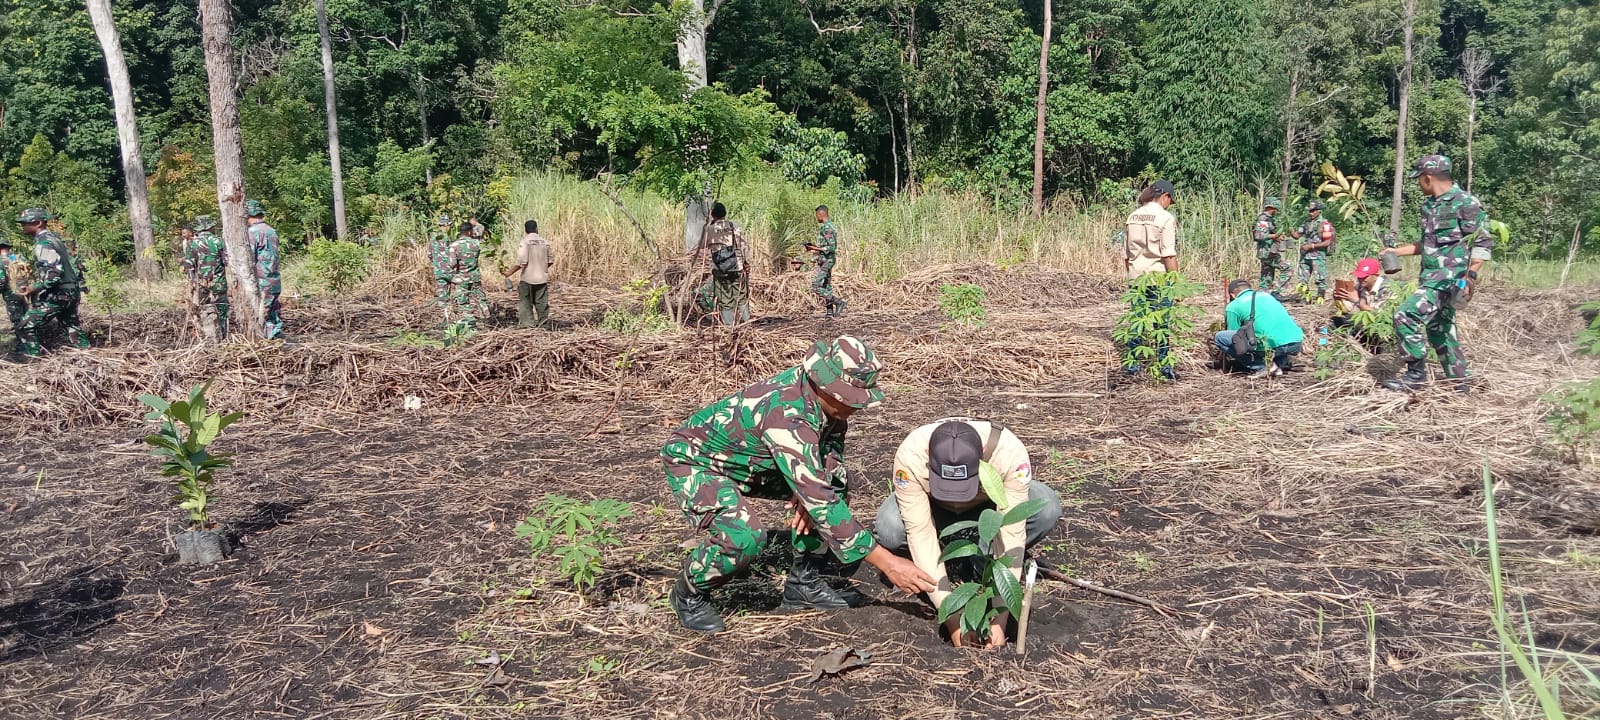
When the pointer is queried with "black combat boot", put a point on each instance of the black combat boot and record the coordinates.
(806, 590)
(694, 608)
(1414, 378)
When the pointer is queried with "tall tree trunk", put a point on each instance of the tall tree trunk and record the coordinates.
(1286, 166)
(422, 123)
(894, 143)
(692, 63)
(339, 229)
(1410, 20)
(1038, 126)
(1472, 124)
(216, 31)
(144, 241)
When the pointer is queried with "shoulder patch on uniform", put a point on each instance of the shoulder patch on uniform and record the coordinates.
(901, 479)
(1024, 473)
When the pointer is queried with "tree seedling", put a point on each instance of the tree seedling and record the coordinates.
(575, 533)
(182, 444)
(972, 601)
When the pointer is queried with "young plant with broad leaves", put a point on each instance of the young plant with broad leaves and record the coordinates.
(1157, 317)
(183, 445)
(963, 303)
(575, 533)
(973, 602)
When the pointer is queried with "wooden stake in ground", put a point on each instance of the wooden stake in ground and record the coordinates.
(144, 240)
(1027, 599)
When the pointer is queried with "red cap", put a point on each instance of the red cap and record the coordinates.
(1366, 268)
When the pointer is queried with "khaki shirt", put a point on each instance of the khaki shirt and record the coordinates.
(535, 256)
(1152, 235)
(1010, 459)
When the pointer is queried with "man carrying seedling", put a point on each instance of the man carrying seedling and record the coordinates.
(1269, 248)
(55, 290)
(1151, 245)
(439, 262)
(826, 250)
(728, 290)
(205, 264)
(1318, 237)
(264, 247)
(781, 439)
(950, 471)
(1455, 244)
(466, 282)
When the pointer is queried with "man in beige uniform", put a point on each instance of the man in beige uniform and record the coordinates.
(534, 258)
(1152, 246)
(936, 483)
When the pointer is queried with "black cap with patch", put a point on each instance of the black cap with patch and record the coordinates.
(1164, 187)
(954, 453)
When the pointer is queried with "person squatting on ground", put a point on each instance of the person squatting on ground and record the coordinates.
(1269, 248)
(1151, 245)
(728, 291)
(826, 253)
(534, 258)
(1274, 328)
(55, 290)
(466, 282)
(781, 439)
(205, 266)
(265, 262)
(1369, 292)
(1318, 236)
(439, 262)
(16, 303)
(937, 483)
(1455, 244)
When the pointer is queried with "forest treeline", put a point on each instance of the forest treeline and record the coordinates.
(442, 102)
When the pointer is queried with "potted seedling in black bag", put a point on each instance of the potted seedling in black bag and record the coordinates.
(187, 430)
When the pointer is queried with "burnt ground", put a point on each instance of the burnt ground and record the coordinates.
(1324, 540)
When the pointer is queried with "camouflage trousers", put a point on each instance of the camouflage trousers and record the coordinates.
(57, 304)
(719, 507)
(272, 316)
(1314, 267)
(441, 295)
(16, 307)
(822, 282)
(1274, 271)
(1430, 312)
(727, 297)
(468, 302)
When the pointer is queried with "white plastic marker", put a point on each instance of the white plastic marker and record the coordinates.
(1027, 605)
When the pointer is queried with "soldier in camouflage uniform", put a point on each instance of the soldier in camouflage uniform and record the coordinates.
(264, 247)
(55, 291)
(16, 305)
(779, 439)
(728, 291)
(205, 264)
(1455, 244)
(826, 250)
(1318, 237)
(439, 262)
(1269, 248)
(466, 282)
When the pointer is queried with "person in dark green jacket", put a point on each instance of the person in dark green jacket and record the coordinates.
(1275, 330)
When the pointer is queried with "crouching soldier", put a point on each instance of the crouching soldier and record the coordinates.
(937, 483)
(780, 439)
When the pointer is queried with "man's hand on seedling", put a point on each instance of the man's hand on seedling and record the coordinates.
(901, 573)
(958, 638)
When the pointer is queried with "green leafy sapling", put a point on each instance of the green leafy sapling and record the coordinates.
(574, 532)
(182, 444)
(973, 602)
(1157, 317)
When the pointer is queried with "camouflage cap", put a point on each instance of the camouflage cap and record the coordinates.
(1273, 203)
(1430, 163)
(1315, 206)
(33, 215)
(847, 370)
(254, 208)
(204, 223)
(442, 219)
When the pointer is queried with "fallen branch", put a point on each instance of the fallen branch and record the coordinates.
(1048, 571)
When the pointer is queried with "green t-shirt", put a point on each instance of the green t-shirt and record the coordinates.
(1274, 326)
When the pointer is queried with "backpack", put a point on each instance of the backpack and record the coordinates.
(1244, 340)
(725, 262)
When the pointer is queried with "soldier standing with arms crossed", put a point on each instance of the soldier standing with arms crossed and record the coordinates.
(1455, 245)
(1269, 248)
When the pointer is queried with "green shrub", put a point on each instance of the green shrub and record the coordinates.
(1589, 339)
(963, 303)
(576, 533)
(1576, 416)
(1156, 317)
(649, 318)
(338, 265)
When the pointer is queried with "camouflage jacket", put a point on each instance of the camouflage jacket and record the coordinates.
(463, 259)
(439, 255)
(54, 268)
(1265, 228)
(1454, 227)
(827, 241)
(205, 263)
(1316, 230)
(777, 430)
(264, 245)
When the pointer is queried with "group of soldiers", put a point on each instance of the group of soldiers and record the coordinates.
(1456, 240)
(49, 287)
(205, 268)
(724, 256)
(457, 278)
